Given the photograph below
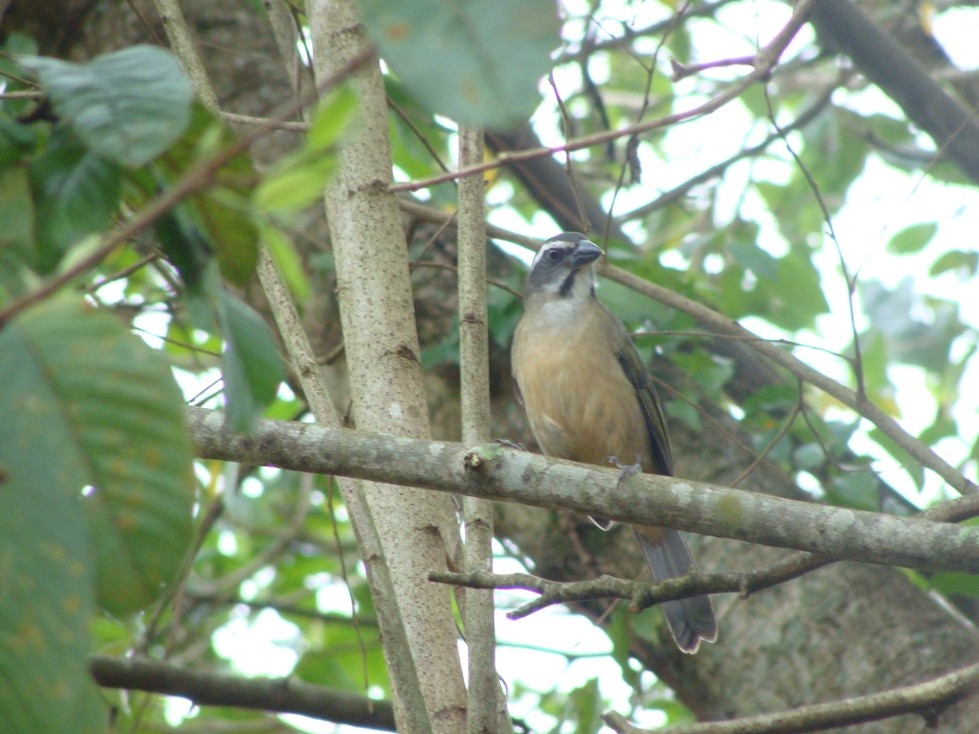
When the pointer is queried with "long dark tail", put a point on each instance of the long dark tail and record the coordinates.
(692, 619)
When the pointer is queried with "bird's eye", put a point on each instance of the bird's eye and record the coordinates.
(554, 255)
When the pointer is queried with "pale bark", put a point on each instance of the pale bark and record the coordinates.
(382, 352)
(485, 709)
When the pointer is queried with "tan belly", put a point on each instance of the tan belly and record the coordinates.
(580, 404)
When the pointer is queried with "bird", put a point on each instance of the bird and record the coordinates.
(589, 398)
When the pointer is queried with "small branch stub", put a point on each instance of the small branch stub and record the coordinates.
(478, 458)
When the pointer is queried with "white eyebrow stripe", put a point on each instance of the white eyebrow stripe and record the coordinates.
(537, 255)
(550, 246)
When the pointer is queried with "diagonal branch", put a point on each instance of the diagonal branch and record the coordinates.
(926, 699)
(724, 326)
(954, 129)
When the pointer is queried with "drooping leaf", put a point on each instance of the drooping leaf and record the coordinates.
(294, 187)
(128, 106)
(896, 317)
(857, 489)
(221, 212)
(955, 584)
(251, 363)
(16, 141)
(115, 406)
(475, 62)
(912, 467)
(186, 245)
(588, 706)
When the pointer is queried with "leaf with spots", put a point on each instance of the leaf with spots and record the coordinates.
(117, 413)
(46, 569)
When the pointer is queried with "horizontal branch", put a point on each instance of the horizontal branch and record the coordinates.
(642, 594)
(639, 594)
(926, 699)
(282, 695)
(499, 473)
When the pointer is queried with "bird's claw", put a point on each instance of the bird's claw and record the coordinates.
(626, 470)
(510, 444)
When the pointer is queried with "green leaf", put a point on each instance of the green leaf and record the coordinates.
(296, 185)
(332, 116)
(960, 584)
(857, 489)
(300, 178)
(805, 300)
(45, 554)
(233, 234)
(76, 192)
(911, 466)
(114, 405)
(709, 372)
(16, 141)
(186, 246)
(963, 261)
(251, 363)
(128, 106)
(475, 62)
(912, 239)
(910, 338)
(339, 663)
(221, 212)
(16, 215)
(286, 259)
(587, 704)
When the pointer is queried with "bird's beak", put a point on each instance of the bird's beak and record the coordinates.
(586, 252)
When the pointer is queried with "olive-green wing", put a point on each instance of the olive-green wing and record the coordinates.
(652, 411)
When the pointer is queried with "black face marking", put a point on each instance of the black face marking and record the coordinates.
(567, 285)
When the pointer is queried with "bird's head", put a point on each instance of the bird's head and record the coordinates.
(563, 267)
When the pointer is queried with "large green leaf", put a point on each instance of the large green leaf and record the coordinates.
(473, 61)
(114, 405)
(128, 106)
(46, 569)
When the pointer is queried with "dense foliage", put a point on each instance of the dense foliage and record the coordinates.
(782, 180)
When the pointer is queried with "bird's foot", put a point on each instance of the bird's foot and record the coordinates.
(510, 444)
(626, 470)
